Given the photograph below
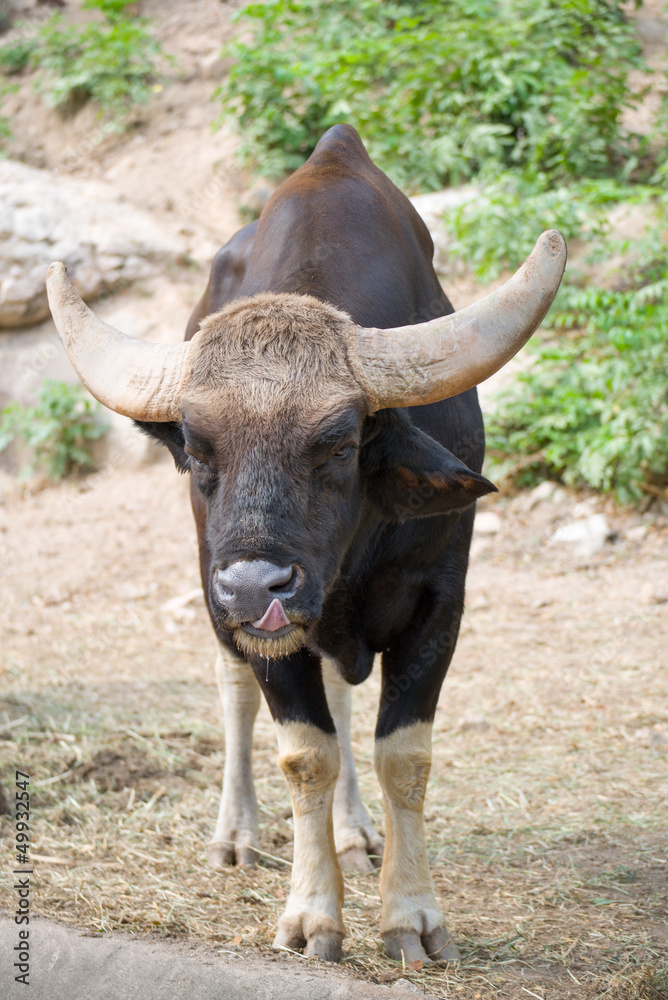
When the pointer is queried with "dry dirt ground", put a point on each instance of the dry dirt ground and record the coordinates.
(547, 813)
(547, 816)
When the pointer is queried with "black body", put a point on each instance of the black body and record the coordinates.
(339, 230)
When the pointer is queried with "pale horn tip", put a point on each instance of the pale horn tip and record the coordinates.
(552, 243)
(57, 271)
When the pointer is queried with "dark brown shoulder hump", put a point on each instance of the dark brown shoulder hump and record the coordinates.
(341, 152)
(342, 143)
(340, 161)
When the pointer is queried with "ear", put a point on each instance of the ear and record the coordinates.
(408, 474)
(169, 434)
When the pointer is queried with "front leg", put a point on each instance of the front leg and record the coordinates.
(356, 840)
(309, 760)
(235, 838)
(414, 666)
(412, 925)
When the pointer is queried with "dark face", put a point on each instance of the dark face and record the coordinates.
(278, 503)
(282, 505)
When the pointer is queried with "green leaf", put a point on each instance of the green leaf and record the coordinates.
(58, 428)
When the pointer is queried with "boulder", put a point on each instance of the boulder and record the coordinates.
(588, 535)
(431, 207)
(487, 522)
(105, 245)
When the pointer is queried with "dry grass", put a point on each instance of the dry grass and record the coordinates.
(546, 816)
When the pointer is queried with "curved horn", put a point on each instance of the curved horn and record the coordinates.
(139, 380)
(413, 365)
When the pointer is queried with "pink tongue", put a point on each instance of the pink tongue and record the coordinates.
(274, 618)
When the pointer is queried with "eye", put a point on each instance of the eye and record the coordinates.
(345, 453)
(197, 466)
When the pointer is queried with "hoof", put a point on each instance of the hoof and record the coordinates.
(405, 946)
(224, 854)
(327, 947)
(439, 946)
(355, 859)
(376, 858)
(361, 851)
(323, 943)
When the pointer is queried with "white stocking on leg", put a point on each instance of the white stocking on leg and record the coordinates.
(412, 926)
(309, 759)
(354, 835)
(235, 838)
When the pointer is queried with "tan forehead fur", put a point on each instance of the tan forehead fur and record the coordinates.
(274, 350)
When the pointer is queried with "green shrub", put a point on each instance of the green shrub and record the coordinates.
(17, 54)
(593, 408)
(111, 62)
(440, 89)
(59, 428)
(493, 232)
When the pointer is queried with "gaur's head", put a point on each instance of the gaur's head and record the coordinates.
(284, 413)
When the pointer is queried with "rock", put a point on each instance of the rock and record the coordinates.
(487, 523)
(637, 532)
(588, 534)
(407, 986)
(585, 508)
(546, 492)
(482, 545)
(431, 208)
(105, 245)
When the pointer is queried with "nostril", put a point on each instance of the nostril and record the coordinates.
(227, 581)
(224, 587)
(284, 585)
(277, 577)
